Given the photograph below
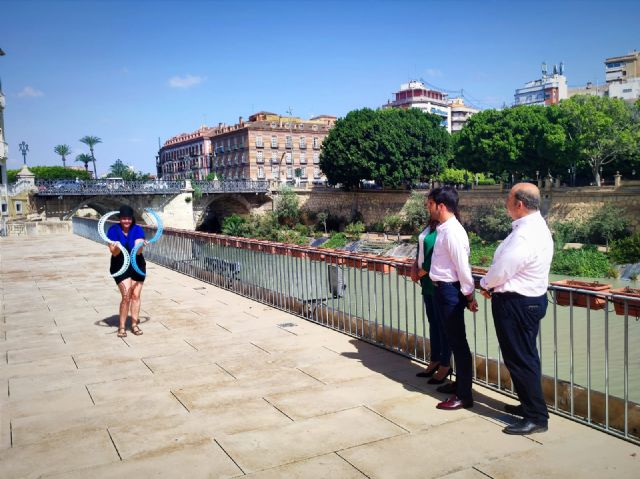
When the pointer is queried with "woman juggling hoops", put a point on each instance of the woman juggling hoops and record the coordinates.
(128, 234)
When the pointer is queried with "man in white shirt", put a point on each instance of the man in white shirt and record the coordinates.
(517, 284)
(454, 287)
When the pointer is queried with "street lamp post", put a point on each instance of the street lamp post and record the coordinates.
(24, 148)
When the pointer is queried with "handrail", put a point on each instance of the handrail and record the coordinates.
(590, 373)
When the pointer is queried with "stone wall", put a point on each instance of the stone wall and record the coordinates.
(557, 204)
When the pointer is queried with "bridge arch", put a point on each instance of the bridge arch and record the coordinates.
(216, 208)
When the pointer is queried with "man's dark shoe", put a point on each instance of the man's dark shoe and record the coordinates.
(523, 427)
(454, 403)
(516, 410)
(449, 388)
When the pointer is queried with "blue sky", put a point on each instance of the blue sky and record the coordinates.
(133, 72)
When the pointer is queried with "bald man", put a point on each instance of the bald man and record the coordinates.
(517, 284)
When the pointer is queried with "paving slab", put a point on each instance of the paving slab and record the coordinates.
(261, 449)
(328, 465)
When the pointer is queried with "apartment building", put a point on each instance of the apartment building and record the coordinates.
(266, 147)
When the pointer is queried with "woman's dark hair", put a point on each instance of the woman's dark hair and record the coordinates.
(446, 196)
(127, 212)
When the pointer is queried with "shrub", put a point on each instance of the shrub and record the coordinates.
(354, 230)
(393, 224)
(303, 230)
(569, 232)
(376, 227)
(481, 252)
(234, 225)
(323, 216)
(581, 262)
(287, 208)
(415, 212)
(493, 223)
(626, 250)
(50, 173)
(607, 224)
(338, 240)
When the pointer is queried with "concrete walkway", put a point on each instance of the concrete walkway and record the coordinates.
(221, 386)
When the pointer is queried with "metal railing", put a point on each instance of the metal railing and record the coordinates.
(232, 186)
(107, 187)
(157, 187)
(590, 372)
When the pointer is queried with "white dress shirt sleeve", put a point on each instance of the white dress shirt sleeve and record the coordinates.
(459, 255)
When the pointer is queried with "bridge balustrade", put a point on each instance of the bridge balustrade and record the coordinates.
(106, 187)
(590, 372)
(158, 187)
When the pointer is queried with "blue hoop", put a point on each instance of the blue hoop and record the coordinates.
(103, 235)
(156, 237)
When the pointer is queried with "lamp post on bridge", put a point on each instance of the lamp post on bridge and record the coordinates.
(24, 148)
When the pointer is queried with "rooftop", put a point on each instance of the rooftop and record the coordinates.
(222, 386)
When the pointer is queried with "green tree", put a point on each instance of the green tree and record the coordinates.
(287, 208)
(393, 224)
(354, 230)
(600, 130)
(519, 141)
(84, 158)
(119, 170)
(493, 223)
(393, 147)
(91, 141)
(322, 218)
(63, 151)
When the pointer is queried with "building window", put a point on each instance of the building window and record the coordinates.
(4, 208)
(288, 142)
(274, 142)
(289, 172)
(273, 124)
(303, 158)
(316, 172)
(18, 207)
(259, 143)
(275, 170)
(314, 127)
(316, 143)
(274, 157)
(303, 142)
(316, 158)
(261, 172)
(303, 173)
(287, 157)
(259, 157)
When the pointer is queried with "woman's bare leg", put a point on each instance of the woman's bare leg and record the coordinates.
(136, 291)
(125, 288)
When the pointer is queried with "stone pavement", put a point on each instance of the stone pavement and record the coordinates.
(221, 386)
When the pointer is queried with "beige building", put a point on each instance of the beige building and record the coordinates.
(460, 113)
(623, 76)
(266, 147)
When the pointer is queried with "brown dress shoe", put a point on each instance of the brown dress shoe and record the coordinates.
(454, 403)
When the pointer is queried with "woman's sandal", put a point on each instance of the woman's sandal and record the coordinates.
(135, 329)
(122, 333)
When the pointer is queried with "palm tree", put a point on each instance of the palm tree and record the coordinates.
(91, 141)
(86, 159)
(63, 151)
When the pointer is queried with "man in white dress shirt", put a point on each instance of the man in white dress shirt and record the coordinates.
(517, 285)
(454, 287)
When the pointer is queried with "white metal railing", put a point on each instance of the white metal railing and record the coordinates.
(591, 371)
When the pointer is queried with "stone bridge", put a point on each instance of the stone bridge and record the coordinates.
(185, 205)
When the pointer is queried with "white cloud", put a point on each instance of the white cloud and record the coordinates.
(186, 81)
(31, 92)
(433, 72)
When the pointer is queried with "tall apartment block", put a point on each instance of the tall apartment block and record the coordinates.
(266, 147)
(622, 75)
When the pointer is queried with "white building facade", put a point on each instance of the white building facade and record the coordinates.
(548, 90)
(416, 95)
